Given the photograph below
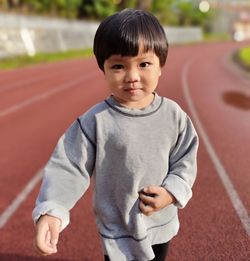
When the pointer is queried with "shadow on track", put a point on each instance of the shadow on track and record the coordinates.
(237, 99)
(16, 257)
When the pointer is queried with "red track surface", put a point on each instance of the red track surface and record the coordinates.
(38, 103)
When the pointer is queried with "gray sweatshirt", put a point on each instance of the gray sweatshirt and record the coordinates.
(124, 150)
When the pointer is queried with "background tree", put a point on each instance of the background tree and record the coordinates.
(169, 12)
(163, 9)
(144, 4)
(122, 4)
(97, 9)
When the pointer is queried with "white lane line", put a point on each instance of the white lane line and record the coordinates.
(11, 209)
(227, 183)
(24, 82)
(45, 95)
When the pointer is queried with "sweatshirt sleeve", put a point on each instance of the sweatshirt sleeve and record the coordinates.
(183, 165)
(66, 175)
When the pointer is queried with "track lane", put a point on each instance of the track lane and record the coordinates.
(228, 124)
(13, 92)
(42, 91)
(25, 74)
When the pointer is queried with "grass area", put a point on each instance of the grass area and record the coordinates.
(242, 57)
(25, 60)
(215, 37)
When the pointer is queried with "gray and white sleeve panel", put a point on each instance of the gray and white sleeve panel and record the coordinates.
(66, 175)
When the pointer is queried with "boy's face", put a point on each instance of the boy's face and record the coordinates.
(133, 79)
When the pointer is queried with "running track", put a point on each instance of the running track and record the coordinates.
(38, 103)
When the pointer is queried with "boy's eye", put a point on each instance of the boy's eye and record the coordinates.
(144, 64)
(117, 66)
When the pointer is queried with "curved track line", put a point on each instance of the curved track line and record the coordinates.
(20, 83)
(11, 209)
(45, 95)
(227, 183)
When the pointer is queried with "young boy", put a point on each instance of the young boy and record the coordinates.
(139, 147)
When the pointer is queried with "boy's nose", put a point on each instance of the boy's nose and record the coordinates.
(132, 76)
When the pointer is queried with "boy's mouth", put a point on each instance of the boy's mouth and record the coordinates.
(132, 90)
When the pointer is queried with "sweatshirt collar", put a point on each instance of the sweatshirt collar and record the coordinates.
(150, 109)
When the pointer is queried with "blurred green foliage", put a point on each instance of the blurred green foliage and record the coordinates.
(242, 57)
(188, 13)
(245, 55)
(164, 10)
(96, 9)
(171, 12)
(25, 60)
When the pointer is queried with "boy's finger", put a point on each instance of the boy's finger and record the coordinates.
(40, 250)
(41, 243)
(146, 209)
(54, 233)
(47, 238)
(42, 247)
(154, 190)
(149, 200)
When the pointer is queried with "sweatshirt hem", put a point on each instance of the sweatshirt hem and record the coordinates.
(127, 249)
(138, 239)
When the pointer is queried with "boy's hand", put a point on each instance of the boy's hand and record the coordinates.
(154, 198)
(47, 234)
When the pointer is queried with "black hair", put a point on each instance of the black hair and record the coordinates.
(120, 34)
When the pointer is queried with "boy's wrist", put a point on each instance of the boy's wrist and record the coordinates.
(172, 198)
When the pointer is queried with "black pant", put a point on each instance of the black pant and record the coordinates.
(160, 252)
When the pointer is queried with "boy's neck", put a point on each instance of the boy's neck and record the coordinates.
(137, 104)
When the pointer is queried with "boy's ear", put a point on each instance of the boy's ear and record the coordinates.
(160, 71)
